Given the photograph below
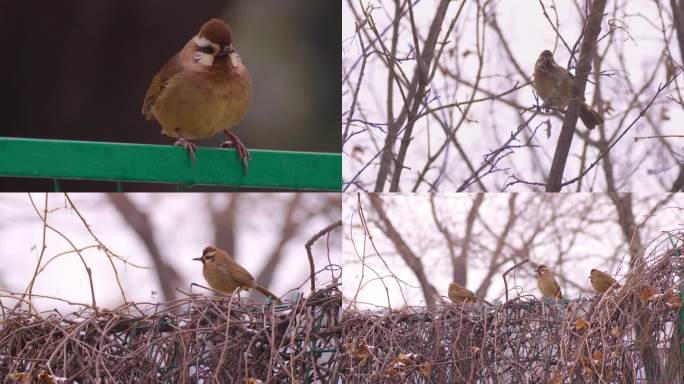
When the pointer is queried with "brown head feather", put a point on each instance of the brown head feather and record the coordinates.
(217, 32)
(208, 249)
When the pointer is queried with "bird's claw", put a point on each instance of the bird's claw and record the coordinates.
(189, 146)
(234, 142)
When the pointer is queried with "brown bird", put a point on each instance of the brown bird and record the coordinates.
(225, 275)
(601, 281)
(555, 85)
(460, 294)
(203, 90)
(547, 283)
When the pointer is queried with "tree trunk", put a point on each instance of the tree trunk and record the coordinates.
(410, 258)
(140, 222)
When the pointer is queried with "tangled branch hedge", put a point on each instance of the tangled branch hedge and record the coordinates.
(623, 336)
(197, 339)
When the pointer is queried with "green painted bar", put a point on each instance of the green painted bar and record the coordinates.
(84, 160)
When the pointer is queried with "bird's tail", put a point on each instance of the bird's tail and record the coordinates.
(589, 117)
(267, 293)
(486, 302)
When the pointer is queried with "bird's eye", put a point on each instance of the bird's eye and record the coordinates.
(206, 49)
(209, 258)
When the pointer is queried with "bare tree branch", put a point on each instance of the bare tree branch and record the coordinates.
(410, 258)
(581, 74)
(140, 223)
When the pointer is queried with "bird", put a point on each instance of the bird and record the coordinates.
(547, 283)
(555, 85)
(201, 91)
(226, 275)
(602, 281)
(460, 294)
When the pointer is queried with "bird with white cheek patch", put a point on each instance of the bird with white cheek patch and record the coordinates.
(201, 91)
(226, 275)
(547, 284)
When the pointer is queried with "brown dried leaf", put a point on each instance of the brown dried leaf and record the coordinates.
(672, 301)
(615, 331)
(405, 358)
(45, 378)
(392, 372)
(555, 378)
(20, 377)
(581, 325)
(426, 369)
(670, 68)
(597, 357)
(663, 114)
(607, 107)
(358, 350)
(646, 293)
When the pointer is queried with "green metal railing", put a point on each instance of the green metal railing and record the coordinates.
(83, 160)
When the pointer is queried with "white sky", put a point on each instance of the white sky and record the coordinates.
(182, 229)
(528, 34)
(411, 215)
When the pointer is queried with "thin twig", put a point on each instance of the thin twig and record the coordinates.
(310, 243)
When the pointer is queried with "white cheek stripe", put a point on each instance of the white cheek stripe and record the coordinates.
(202, 41)
(235, 59)
(203, 58)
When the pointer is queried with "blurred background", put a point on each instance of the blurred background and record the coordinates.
(79, 71)
(422, 242)
(265, 233)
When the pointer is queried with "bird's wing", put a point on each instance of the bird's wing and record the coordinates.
(242, 276)
(558, 73)
(559, 294)
(159, 82)
(470, 294)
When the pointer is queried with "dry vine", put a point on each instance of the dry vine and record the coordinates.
(624, 336)
(193, 339)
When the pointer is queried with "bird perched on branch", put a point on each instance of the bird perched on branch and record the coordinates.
(547, 283)
(602, 281)
(203, 90)
(225, 275)
(555, 85)
(460, 294)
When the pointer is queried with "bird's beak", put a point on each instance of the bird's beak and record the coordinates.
(198, 259)
(226, 50)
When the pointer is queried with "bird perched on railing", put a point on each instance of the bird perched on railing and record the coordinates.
(226, 275)
(547, 283)
(602, 281)
(555, 85)
(202, 90)
(460, 294)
